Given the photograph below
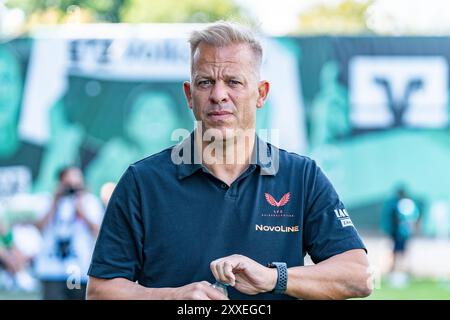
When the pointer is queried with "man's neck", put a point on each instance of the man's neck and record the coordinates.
(227, 159)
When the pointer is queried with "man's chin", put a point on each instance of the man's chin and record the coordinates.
(222, 131)
(219, 133)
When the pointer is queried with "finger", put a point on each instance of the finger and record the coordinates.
(214, 294)
(228, 274)
(214, 270)
(220, 272)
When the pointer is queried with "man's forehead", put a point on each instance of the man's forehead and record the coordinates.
(234, 53)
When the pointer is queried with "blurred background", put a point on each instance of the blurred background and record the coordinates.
(361, 86)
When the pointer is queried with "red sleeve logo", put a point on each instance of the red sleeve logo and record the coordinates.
(271, 200)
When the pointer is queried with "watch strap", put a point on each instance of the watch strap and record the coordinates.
(282, 275)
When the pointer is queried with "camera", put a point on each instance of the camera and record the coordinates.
(64, 247)
(71, 190)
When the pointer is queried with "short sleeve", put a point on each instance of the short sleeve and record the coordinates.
(118, 250)
(328, 229)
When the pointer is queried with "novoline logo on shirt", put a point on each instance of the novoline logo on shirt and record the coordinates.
(261, 227)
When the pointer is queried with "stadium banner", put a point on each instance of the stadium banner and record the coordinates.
(372, 111)
(377, 117)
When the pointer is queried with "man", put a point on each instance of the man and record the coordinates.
(244, 215)
(400, 219)
(69, 229)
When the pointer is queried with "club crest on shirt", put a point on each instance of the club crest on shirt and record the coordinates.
(283, 201)
(277, 206)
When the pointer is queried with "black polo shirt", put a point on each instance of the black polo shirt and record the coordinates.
(166, 222)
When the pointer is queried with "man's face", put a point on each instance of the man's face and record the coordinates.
(225, 91)
(73, 178)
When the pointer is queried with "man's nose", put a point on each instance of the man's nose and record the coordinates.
(219, 93)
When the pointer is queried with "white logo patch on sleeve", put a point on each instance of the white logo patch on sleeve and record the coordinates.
(343, 217)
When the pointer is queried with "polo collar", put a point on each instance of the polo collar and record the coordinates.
(264, 155)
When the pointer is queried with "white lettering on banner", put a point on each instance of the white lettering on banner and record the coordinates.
(129, 58)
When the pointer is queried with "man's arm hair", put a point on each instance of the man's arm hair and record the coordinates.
(123, 289)
(343, 276)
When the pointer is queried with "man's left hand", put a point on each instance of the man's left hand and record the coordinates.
(244, 274)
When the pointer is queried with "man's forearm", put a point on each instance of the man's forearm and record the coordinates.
(123, 289)
(340, 277)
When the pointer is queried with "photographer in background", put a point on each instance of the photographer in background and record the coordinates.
(69, 229)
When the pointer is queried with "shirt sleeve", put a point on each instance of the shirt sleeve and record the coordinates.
(118, 250)
(328, 229)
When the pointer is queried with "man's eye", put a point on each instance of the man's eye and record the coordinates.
(204, 82)
(233, 82)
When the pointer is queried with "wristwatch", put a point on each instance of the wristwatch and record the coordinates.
(281, 285)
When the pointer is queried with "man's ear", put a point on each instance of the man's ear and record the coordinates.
(263, 91)
(187, 93)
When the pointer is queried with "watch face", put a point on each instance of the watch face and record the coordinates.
(275, 264)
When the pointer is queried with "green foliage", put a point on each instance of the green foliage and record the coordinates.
(104, 10)
(347, 17)
(179, 11)
(138, 11)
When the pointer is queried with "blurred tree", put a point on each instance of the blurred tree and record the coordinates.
(133, 11)
(180, 11)
(100, 10)
(346, 17)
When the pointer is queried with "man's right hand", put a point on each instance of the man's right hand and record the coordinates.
(197, 291)
(59, 192)
(121, 288)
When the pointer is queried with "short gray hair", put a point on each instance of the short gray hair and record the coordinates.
(225, 33)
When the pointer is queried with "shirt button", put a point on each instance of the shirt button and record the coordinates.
(224, 186)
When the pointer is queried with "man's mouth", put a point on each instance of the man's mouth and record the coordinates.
(220, 115)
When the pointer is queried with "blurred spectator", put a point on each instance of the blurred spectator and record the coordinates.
(13, 260)
(400, 218)
(69, 228)
(106, 192)
(9, 260)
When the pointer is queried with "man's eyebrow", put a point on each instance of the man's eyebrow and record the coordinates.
(233, 75)
(227, 76)
(202, 76)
